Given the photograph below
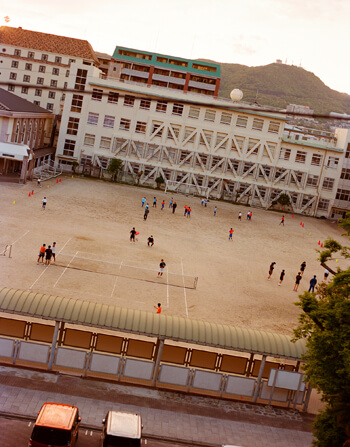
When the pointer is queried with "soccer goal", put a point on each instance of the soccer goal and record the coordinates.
(7, 251)
(187, 188)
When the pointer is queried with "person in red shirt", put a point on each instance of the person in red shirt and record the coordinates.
(185, 208)
(189, 211)
(163, 204)
(41, 254)
(159, 308)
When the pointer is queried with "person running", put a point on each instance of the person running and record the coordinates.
(171, 203)
(189, 211)
(185, 210)
(163, 205)
(297, 282)
(281, 277)
(230, 234)
(174, 207)
(205, 203)
(326, 274)
(302, 268)
(147, 207)
(202, 202)
(162, 266)
(143, 201)
(248, 215)
(146, 214)
(44, 202)
(155, 202)
(132, 235)
(41, 254)
(39, 182)
(53, 248)
(313, 282)
(272, 266)
(150, 241)
(48, 254)
(215, 211)
(239, 216)
(159, 308)
(282, 221)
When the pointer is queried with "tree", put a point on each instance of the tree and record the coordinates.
(325, 323)
(75, 164)
(159, 180)
(284, 200)
(114, 166)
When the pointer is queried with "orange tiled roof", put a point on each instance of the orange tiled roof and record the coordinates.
(51, 43)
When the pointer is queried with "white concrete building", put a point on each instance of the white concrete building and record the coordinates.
(196, 142)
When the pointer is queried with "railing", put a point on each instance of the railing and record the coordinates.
(47, 170)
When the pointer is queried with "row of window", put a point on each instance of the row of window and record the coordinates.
(41, 69)
(316, 159)
(40, 81)
(343, 194)
(44, 57)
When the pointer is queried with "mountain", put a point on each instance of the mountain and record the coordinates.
(278, 85)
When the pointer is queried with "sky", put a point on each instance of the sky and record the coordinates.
(312, 33)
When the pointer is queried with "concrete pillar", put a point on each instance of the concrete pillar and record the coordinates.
(150, 76)
(258, 382)
(53, 345)
(158, 359)
(23, 178)
(217, 87)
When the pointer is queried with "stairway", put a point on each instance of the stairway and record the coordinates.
(47, 170)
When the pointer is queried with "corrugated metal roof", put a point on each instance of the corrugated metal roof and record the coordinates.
(187, 330)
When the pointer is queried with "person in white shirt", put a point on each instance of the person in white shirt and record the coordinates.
(326, 273)
(44, 202)
(53, 248)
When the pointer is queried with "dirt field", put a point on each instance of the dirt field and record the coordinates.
(90, 221)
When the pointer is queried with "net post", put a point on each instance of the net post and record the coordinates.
(10, 251)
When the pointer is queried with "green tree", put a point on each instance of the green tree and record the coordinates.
(325, 323)
(75, 164)
(114, 166)
(284, 200)
(159, 180)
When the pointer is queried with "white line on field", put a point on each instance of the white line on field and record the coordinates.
(20, 237)
(65, 270)
(116, 278)
(41, 274)
(183, 280)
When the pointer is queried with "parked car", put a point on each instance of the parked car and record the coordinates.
(121, 429)
(57, 425)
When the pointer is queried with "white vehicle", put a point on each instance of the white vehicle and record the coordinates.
(121, 429)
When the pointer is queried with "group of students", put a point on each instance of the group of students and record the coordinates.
(47, 253)
(299, 277)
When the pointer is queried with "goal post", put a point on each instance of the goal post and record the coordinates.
(186, 188)
(7, 251)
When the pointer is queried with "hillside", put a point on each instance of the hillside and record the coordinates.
(279, 85)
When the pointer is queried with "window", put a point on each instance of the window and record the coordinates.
(316, 159)
(161, 106)
(55, 71)
(89, 139)
(175, 131)
(30, 55)
(104, 162)
(53, 83)
(124, 124)
(49, 106)
(28, 67)
(38, 92)
(73, 125)
(85, 160)
(17, 52)
(52, 95)
(343, 194)
(129, 101)
(14, 64)
(37, 103)
(65, 85)
(312, 181)
(347, 153)
(226, 118)
(140, 127)
(77, 103)
(105, 143)
(71, 61)
(300, 157)
(113, 97)
(68, 149)
(93, 118)
(58, 59)
(345, 174)
(63, 97)
(67, 73)
(13, 76)
(42, 68)
(145, 104)
(80, 79)
(178, 109)
(323, 204)
(274, 127)
(40, 81)
(26, 78)
(44, 57)
(210, 115)
(328, 183)
(24, 90)
(333, 162)
(258, 124)
(241, 121)
(108, 121)
(194, 112)
(285, 154)
(155, 128)
(11, 88)
(97, 94)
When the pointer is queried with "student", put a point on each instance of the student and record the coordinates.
(146, 214)
(302, 268)
(297, 282)
(272, 266)
(150, 241)
(202, 202)
(230, 233)
(205, 203)
(215, 210)
(281, 277)
(162, 266)
(132, 235)
(326, 273)
(147, 207)
(189, 211)
(163, 205)
(174, 207)
(171, 203)
(44, 202)
(240, 216)
(39, 182)
(159, 308)
(41, 254)
(48, 254)
(282, 221)
(143, 201)
(155, 202)
(53, 248)
(313, 282)
(185, 210)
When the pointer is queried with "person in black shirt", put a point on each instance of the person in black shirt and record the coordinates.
(302, 268)
(150, 241)
(297, 282)
(132, 235)
(174, 207)
(272, 266)
(162, 266)
(48, 254)
(281, 277)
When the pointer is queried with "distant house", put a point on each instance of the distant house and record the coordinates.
(25, 134)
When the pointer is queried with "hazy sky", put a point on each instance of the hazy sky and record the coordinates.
(313, 33)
